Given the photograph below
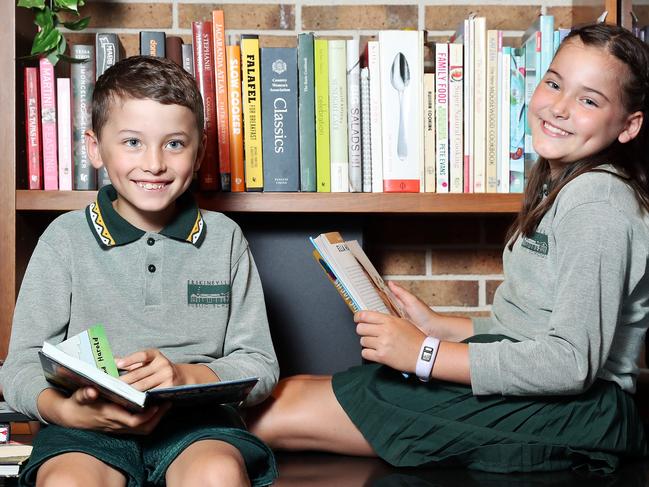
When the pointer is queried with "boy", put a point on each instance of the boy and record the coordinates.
(176, 289)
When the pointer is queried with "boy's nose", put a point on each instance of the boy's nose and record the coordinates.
(154, 162)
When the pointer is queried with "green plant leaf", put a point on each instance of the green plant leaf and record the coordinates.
(44, 19)
(45, 41)
(78, 24)
(72, 5)
(39, 4)
(53, 58)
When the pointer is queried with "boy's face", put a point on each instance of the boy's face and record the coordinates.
(151, 152)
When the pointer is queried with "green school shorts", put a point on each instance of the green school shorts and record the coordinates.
(144, 459)
(410, 423)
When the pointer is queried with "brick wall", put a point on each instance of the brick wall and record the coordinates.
(452, 262)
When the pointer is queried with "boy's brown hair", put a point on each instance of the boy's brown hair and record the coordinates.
(145, 77)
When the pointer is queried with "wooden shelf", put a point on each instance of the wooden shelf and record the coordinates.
(30, 200)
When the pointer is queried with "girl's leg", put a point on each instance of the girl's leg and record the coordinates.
(303, 414)
(77, 469)
(208, 463)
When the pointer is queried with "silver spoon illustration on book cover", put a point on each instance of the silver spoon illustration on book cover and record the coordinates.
(400, 78)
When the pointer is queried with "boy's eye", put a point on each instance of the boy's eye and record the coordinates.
(175, 144)
(132, 142)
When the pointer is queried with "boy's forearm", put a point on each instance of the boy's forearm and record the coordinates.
(50, 406)
(196, 374)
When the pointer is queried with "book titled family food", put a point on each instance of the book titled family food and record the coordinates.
(87, 360)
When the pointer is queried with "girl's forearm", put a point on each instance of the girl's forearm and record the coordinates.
(455, 328)
(452, 363)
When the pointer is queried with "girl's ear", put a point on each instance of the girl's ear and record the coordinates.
(632, 127)
(92, 147)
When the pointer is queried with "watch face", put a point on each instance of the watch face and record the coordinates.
(426, 354)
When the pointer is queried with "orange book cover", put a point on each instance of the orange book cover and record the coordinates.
(233, 56)
(222, 124)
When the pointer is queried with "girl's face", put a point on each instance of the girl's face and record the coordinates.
(576, 110)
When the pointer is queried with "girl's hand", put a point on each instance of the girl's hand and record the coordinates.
(389, 340)
(148, 369)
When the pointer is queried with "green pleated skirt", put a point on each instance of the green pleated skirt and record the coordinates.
(410, 423)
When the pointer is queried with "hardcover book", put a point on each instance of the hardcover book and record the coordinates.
(351, 272)
(188, 58)
(83, 84)
(322, 158)
(12, 457)
(174, 49)
(33, 129)
(376, 134)
(517, 122)
(235, 118)
(504, 92)
(85, 360)
(254, 168)
(306, 111)
(532, 45)
(208, 174)
(492, 112)
(366, 130)
(64, 132)
(222, 114)
(429, 133)
(455, 118)
(354, 117)
(152, 44)
(280, 118)
(401, 68)
(479, 35)
(48, 124)
(338, 151)
(441, 118)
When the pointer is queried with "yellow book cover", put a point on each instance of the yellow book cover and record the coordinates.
(252, 113)
(322, 158)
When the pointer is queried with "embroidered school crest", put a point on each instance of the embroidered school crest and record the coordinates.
(208, 293)
(537, 243)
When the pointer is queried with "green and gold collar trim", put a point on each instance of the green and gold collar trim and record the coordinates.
(110, 229)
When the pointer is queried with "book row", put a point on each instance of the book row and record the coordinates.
(321, 116)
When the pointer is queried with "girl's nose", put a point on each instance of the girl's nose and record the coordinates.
(559, 108)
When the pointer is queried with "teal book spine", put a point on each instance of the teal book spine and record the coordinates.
(306, 111)
(517, 122)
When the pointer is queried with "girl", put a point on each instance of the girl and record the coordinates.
(544, 383)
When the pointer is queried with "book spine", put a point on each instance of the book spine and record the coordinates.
(48, 124)
(306, 112)
(101, 351)
(469, 69)
(492, 112)
(480, 104)
(235, 119)
(252, 113)
(174, 49)
(366, 131)
(532, 61)
(188, 58)
(222, 124)
(33, 129)
(83, 83)
(517, 122)
(373, 64)
(546, 27)
(441, 117)
(503, 123)
(321, 70)
(152, 44)
(429, 133)
(64, 126)
(338, 149)
(354, 117)
(108, 52)
(455, 123)
(279, 118)
(204, 68)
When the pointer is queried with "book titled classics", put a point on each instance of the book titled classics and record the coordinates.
(86, 360)
(353, 275)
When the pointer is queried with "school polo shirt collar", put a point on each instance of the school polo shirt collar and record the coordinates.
(110, 229)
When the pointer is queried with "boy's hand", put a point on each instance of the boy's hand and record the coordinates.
(84, 409)
(148, 369)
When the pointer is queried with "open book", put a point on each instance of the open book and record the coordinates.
(351, 272)
(69, 365)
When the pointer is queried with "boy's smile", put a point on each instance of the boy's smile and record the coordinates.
(151, 152)
(577, 110)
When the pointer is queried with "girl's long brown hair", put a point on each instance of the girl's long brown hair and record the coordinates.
(631, 160)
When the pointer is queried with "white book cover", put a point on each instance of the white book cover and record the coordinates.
(401, 65)
(338, 139)
(374, 65)
(441, 117)
(504, 85)
(456, 119)
(366, 130)
(64, 132)
(429, 133)
(354, 117)
(469, 101)
(480, 104)
(492, 111)
(420, 131)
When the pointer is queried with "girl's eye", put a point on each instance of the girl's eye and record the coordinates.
(552, 84)
(175, 144)
(590, 102)
(132, 142)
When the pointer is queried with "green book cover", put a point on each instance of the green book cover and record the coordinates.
(323, 162)
(306, 112)
(101, 351)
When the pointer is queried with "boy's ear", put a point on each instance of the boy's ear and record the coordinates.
(92, 147)
(632, 127)
(200, 154)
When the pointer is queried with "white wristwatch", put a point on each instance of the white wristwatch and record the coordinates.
(426, 358)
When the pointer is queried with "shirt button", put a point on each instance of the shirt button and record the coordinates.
(150, 241)
(151, 268)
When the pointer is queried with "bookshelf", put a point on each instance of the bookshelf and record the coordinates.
(23, 213)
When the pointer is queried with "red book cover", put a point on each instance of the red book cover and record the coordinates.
(33, 130)
(208, 175)
(220, 75)
(48, 124)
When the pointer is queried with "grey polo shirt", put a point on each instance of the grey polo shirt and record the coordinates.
(192, 290)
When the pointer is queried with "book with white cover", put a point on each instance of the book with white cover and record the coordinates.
(455, 118)
(373, 63)
(338, 139)
(479, 33)
(429, 133)
(441, 117)
(354, 116)
(401, 67)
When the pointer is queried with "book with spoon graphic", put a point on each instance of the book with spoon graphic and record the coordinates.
(400, 79)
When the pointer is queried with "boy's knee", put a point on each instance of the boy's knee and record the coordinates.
(224, 467)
